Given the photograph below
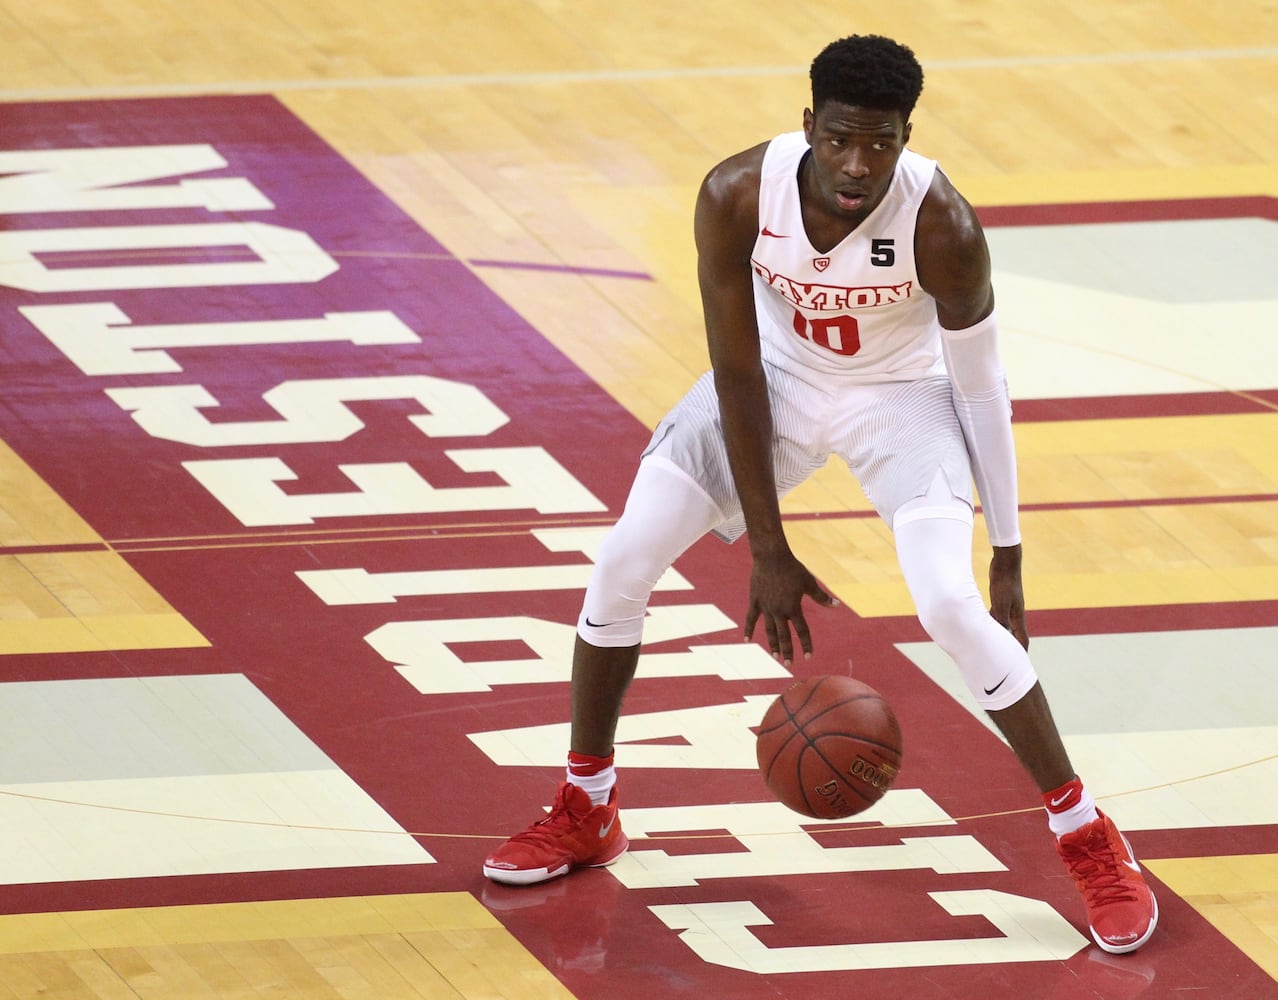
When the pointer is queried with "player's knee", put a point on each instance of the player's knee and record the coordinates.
(628, 567)
(616, 599)
(611, 618)
(949, 617)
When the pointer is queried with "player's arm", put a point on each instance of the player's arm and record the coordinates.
(954, 267)
(726, 226)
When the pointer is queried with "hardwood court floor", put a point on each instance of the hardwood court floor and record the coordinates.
(264, 757)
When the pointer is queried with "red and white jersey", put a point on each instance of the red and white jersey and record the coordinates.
(857, 311)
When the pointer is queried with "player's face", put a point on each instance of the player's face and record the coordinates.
(854, 153)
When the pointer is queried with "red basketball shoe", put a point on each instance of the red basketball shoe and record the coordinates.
(1121, 909)
(576, 834)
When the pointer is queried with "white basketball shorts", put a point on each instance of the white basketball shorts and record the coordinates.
(894, 436)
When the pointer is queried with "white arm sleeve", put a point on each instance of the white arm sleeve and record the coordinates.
(985, 413)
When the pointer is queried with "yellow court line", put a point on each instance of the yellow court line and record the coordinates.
(358, 533)
(594, 76)
(278, 824)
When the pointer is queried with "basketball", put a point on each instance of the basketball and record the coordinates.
(829, 747)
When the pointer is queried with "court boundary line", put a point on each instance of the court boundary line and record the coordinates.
(855, 827)
(607, 76)
(446, 531)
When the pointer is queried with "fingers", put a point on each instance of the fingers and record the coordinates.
(815, 592)
(780, 641)
(778, 637)
(782, 615)
(805, 637)
(777, 629)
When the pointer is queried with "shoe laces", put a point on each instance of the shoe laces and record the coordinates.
(560, 820)
(1097, 870)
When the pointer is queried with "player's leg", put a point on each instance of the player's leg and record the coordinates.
(600, 677)
(934, 544)
(665, 513)
(684, 488)
(1031, 732)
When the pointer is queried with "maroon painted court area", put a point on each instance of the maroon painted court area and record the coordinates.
(238, 584)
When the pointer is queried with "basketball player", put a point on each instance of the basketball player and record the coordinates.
(848, 309)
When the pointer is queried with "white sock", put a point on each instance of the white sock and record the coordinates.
(597, 786)
(1078, 815)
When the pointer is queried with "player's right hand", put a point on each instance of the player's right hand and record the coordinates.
(778, 585)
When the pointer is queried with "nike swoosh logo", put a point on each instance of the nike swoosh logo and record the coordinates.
(1055, 802)
(597, 624)
(1129, 861)
(997, 686)
(607, 827)
(765, 231)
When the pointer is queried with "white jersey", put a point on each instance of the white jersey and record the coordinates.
(851, 348)
(857, 311)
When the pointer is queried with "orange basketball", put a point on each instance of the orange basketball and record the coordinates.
(829, 747)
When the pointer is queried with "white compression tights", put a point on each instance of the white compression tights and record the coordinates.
(666, 512)
(934, 546)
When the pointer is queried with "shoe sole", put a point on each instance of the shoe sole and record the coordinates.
(535, 876)
(1125, 949)
(525, 876)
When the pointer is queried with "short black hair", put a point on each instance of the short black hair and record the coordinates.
(867, 71)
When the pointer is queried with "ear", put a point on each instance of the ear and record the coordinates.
(809, 120)
(905, 133)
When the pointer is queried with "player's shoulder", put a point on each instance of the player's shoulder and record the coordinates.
(728, 202)
(736, 176)
(950, 252)
(946, 220)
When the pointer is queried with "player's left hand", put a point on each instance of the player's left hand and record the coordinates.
(1007, 596)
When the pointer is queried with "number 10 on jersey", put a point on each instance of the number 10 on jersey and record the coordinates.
(837, 333)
